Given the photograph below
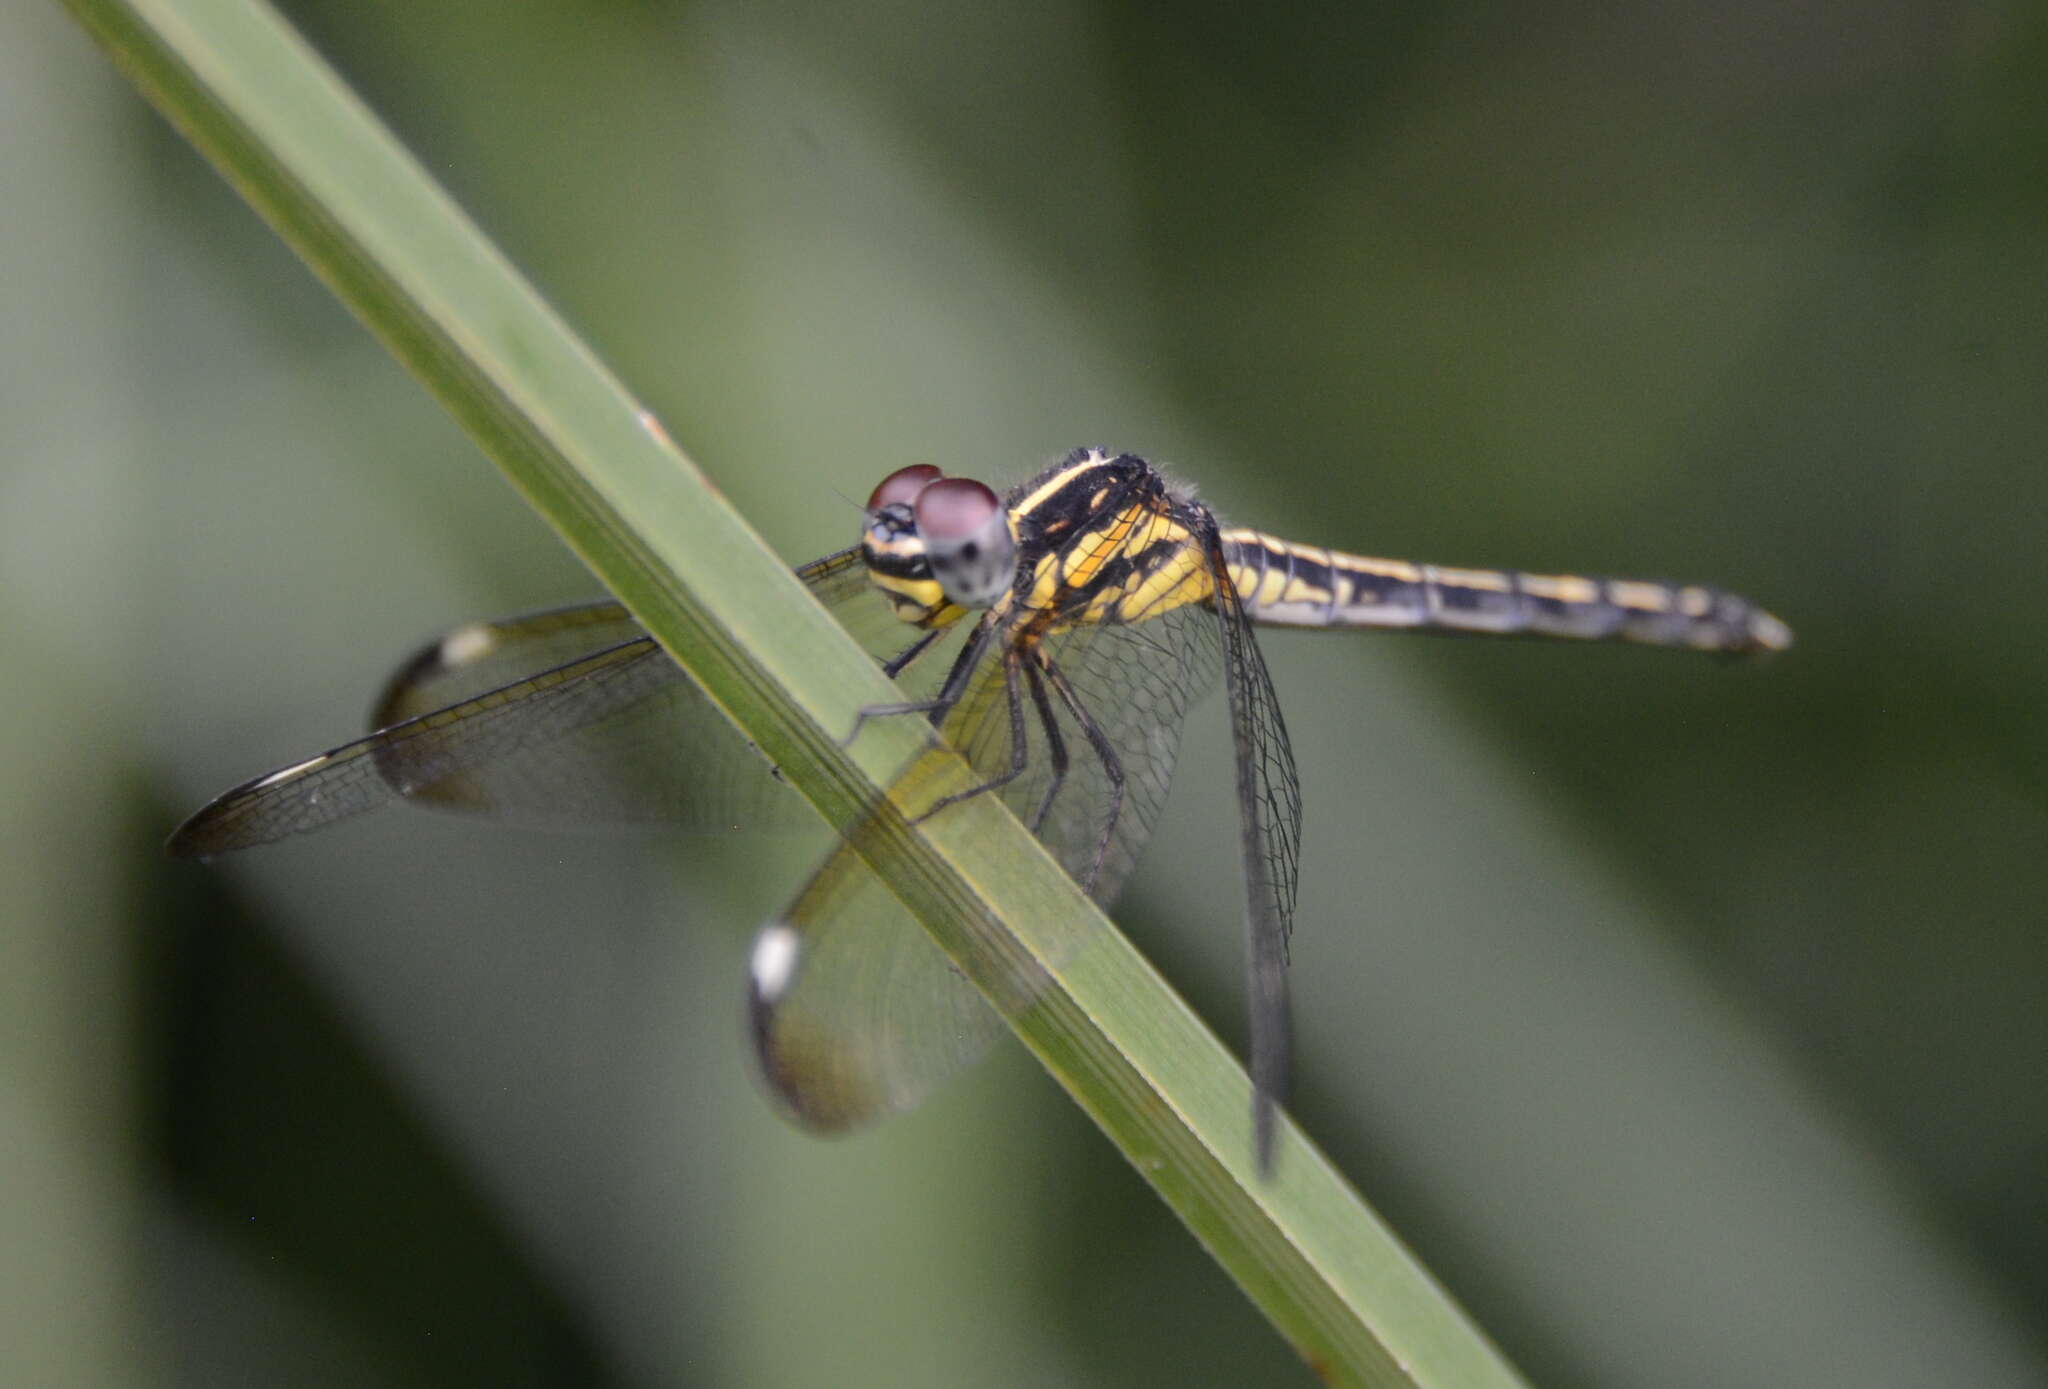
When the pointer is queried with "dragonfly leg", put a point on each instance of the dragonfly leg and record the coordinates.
(1056, 745)
(893, 667)
(1112, 767)
(890, 711)
(936, 707)
(1020, 750)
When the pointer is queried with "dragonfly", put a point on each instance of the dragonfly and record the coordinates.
(1054, 636)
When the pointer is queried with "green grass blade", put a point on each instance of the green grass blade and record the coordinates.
(392, 245)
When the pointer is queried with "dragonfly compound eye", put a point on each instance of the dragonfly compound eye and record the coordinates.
(903, 485)
(967, 539)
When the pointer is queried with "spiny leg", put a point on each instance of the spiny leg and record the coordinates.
(1020, 751)
(1056, 745)
(1112, 766)
(949, 694)
(893, 667)
(937, 706)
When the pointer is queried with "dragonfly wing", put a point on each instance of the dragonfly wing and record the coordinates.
(856, 1013)
(443, 758)
(1269, 804)
(610, 731)
(479, 657)
(1133, 682)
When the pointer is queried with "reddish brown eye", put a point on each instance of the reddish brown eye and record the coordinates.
(903, 485)
(967, 541)
(954, 508)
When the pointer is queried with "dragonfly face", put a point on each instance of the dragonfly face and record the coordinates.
(1107, 601)
(894, 552)
(967, 540)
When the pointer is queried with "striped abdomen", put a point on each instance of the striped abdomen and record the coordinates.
(1289, 585)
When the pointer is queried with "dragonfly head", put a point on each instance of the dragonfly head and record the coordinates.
(935, 543)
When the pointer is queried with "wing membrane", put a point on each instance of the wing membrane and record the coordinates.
(1269, 805)
(479, 657)
(609, 731)
(857, 1014)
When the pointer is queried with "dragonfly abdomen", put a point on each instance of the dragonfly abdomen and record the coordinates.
(1290, 585)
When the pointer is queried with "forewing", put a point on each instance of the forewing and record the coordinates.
(857, 1014)
(609, 732)
(479, 657)
(474, 755)
(1269, 803)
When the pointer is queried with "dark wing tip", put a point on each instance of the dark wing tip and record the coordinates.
(190, 840)
(453, 649)
(1265, 1131)
(797, 1083)
(1272, 1060)
(226, 823)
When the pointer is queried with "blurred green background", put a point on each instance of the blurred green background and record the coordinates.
(1688, 1020)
